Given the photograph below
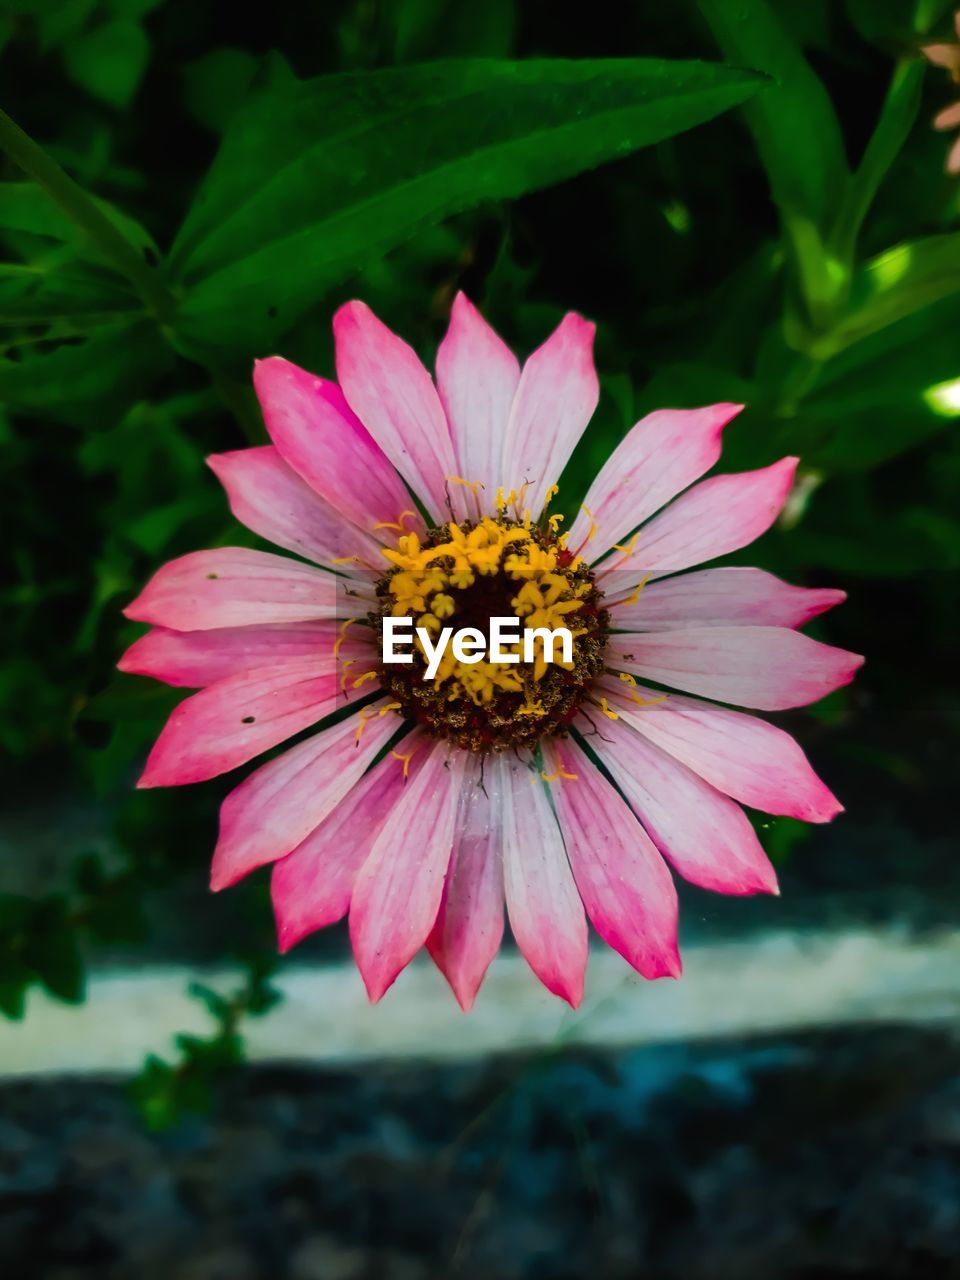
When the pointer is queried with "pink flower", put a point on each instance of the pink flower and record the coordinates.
(948, 56)
(427, 806)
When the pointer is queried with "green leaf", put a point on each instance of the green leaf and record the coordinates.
(895, 22)
(123, 252)
(90, 382)
(65, 275)
(216, 86)
(793, 123)
(879, 398)
(109, 61)
(27, 207)
(316, 179)
(895, 121)
(780, 836)
(54, 954)
(30, 294)
(38, 941)
(893, 286)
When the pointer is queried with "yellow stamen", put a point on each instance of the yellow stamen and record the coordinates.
(646, 702)
(627, 547)
(369, 714)
(343, 635)
(367, 675)
(560, 773)
(611, 715)
(346, 560)
(551, 494)
(634, 596)
(593, 525)
(391, 524)
(406, 761)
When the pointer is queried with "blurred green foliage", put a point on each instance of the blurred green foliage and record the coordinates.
(187, 188)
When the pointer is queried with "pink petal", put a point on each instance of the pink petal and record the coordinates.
(311, 886)
(477, 377)
(742, 756)
(322, 439)
(948, 117)
(729, 597)
(194, 659)
(953, 158)
(396, 896)
(394, 397)
(702, 833)
(233, 587)
(270, 498)
(546, 914)
(236, 719)
(624, 883)
(770, 668)
(713, 518)
(278, 806)
(469, 926)
(555, 399)
(660, 456)
(942, 55)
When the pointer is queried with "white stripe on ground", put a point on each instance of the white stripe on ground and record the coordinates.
(778, 982)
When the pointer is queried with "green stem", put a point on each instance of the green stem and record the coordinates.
(85, 214)
(800, 380)
(894, 123)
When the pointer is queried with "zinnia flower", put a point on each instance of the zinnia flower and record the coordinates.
(947, 55)
(559, 790)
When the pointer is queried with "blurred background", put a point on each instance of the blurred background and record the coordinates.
(778, 230)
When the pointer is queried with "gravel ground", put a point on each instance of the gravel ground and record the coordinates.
(792, 1158)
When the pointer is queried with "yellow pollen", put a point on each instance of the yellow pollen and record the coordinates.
(611, 715)
(442, 605)
(551, 494)
(425, 580)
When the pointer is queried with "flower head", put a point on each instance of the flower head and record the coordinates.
(557, 786)
(947, 55)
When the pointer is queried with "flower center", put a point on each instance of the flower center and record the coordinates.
(463, 575)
